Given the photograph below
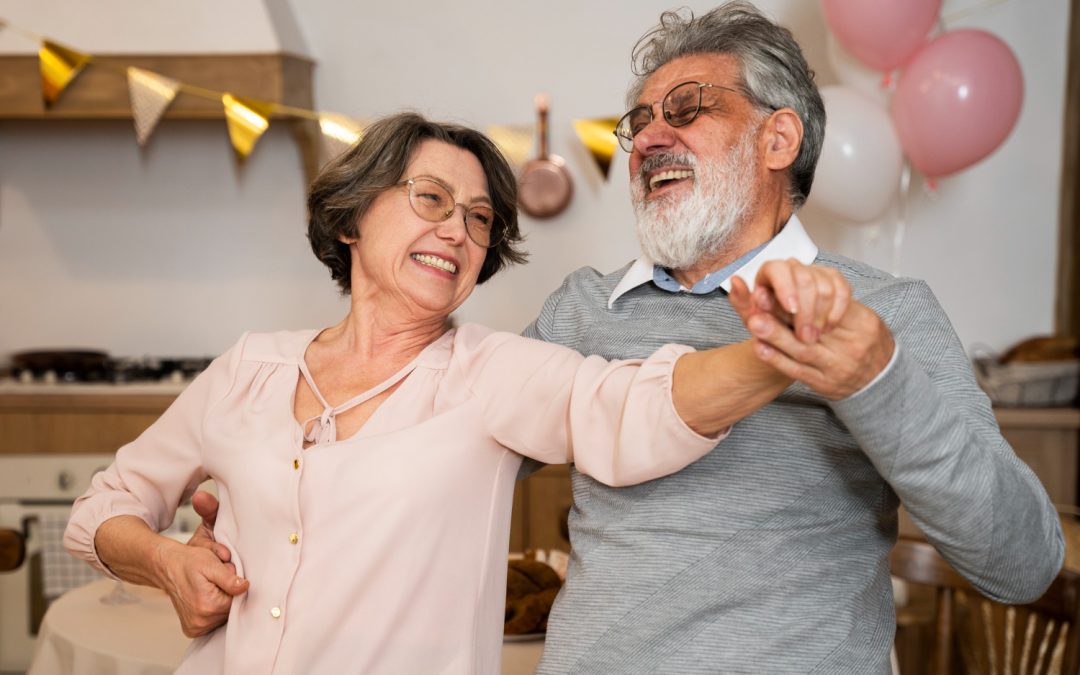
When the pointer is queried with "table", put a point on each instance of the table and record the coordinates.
(80, 635)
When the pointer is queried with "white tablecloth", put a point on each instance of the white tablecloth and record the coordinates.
(80, 635)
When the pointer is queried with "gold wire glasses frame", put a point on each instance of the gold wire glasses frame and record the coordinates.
(432, 201)
(680, 106)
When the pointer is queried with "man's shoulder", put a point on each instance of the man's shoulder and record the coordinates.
(867, 280)
(590, 281)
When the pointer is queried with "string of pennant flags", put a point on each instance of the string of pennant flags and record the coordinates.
(247, 119)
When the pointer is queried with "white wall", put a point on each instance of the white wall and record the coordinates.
(174, 250)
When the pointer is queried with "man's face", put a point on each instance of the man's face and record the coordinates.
(693, 186)
(724, 119)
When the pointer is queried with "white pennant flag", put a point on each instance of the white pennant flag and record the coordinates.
(151, 96)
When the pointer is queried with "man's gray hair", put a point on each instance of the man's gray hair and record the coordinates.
(774, 71)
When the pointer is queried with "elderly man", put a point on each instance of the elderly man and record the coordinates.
(770, 555)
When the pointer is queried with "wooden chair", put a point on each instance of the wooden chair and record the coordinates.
(1041, 638)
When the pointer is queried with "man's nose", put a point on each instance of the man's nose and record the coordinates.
(657, 135)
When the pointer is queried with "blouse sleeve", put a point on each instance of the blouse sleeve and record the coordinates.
(614, 420)
(153, 474)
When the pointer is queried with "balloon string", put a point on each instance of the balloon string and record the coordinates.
(961, 13)
(901, 217)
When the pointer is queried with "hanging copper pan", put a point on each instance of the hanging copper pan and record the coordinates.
(545, 188)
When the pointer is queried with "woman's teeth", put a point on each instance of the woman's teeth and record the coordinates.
(665, 176)
(436, 262)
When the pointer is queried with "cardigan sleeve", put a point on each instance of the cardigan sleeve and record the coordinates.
(930, 432)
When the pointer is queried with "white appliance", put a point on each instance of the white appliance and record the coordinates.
(33, 489)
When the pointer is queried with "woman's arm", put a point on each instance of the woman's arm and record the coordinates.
(714, 389)
(114, 525)
(621, 422)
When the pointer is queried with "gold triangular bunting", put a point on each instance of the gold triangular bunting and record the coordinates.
(248, 120)
(339, 133)
(598, 135)
(514, 141)
(151, 95)
(59, 66)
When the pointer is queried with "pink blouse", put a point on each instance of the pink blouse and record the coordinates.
(384, 552)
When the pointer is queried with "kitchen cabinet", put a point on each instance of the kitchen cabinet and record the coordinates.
(540, 505)
(75, 423)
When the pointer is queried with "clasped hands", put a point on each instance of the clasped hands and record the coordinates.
(802, 320)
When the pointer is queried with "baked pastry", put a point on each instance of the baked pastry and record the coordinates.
(531, 588)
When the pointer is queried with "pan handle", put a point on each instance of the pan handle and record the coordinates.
(542, 103)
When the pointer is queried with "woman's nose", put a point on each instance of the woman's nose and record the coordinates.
(453, 228)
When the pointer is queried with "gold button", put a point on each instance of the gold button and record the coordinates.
(293, 538)
(296, 464)
(275, 612)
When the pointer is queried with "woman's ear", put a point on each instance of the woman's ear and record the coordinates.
(783, 135)
(350, 239)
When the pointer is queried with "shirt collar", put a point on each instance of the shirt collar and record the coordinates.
(791, 242)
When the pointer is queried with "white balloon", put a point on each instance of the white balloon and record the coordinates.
(852, 72)
(858, 174)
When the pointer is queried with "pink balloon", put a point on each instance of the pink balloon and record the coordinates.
(883, 34)
(957, 101)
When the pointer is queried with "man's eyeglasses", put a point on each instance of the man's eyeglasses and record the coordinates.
(680, 107)
(433, 202)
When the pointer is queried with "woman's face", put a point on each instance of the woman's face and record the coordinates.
(426, 268)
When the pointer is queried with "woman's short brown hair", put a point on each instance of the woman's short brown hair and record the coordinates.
(347, 186)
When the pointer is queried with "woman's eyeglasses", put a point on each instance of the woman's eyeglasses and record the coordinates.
(433, 202)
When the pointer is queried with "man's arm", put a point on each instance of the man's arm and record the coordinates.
(930, 432)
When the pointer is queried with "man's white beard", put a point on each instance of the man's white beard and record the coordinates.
(678, 235)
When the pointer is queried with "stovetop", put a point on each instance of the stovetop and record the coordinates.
(128, 375)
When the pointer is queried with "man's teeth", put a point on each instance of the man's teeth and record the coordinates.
(433, 261)
(668, 175)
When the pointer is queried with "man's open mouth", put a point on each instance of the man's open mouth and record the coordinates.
(663, 178)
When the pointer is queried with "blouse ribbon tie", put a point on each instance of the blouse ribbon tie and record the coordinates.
(324, 426)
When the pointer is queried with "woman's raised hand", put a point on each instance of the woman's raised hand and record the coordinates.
(808, 298)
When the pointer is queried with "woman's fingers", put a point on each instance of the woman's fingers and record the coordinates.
(814, 298)
(841, 298)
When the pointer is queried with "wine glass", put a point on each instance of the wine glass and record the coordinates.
(119, 595)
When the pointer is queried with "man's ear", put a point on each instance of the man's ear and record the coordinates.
(783, 136)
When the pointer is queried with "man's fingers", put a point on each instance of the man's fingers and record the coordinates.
(766, 328)
(225, 578)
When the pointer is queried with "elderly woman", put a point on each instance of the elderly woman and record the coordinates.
(365, 471)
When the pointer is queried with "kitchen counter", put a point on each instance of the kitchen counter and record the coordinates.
(97, 418)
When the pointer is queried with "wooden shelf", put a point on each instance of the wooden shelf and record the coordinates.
(101, 90)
